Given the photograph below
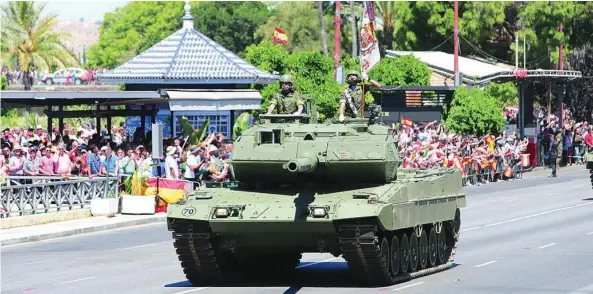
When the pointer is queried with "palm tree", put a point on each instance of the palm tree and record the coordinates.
(322, 27)
(354, 30)
(386, 13)
(29, 41)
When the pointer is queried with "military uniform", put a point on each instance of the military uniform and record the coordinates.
(353, 101)
(287, 104)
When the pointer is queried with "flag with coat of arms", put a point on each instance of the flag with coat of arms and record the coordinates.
(369, 46)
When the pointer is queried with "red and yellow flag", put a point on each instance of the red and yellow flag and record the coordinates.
(407, 122)
(508, 172)
(280, 36)
(525, 160)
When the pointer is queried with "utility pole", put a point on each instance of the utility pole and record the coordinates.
(337, 22)
(560, 89)
(524, 52)
(517, 50)
(456, 44)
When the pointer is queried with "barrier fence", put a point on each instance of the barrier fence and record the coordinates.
(23, 195)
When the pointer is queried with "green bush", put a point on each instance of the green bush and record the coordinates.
(402, 71)
(4, 82)
(474, 112)
(504, 94)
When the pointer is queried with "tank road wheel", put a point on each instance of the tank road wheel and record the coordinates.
(423, 250)
(413, 252)
(395, 256)
(442, 246)
(404, 246)
(385, 251)
(432, 247)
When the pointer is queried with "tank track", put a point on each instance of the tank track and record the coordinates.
(204, 264)
(360, 245)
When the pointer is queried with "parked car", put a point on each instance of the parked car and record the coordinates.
(78, 76)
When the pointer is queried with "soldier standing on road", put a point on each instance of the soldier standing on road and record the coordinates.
(352, 96)
(288, 101)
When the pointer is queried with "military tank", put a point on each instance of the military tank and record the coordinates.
(305, 186)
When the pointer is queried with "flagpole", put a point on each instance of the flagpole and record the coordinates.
(362, 110)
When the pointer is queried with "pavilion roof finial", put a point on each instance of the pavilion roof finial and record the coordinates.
(188, 20)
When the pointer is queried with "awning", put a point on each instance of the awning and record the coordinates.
(214, 100)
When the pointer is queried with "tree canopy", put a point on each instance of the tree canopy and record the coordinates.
(474, 112)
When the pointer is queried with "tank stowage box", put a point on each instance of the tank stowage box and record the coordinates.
(303, 186)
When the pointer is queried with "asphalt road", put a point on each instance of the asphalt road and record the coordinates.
(528, 236)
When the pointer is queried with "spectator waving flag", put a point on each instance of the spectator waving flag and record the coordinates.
(280, 36)
(369, 46)
(407, 122)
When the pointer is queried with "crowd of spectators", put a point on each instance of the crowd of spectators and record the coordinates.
(15, 76)
(83, 151)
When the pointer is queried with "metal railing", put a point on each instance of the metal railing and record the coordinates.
(23, 195)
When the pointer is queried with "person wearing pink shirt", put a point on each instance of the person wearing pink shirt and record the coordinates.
(62, 162)
(46, 163)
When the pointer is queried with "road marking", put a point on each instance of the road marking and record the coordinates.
(73, 281)
(527, 216)
(590, 233)
(41, 261)
(545, 246)
(555, 193)
(486, 263)
(317, 262)
(191, 290)
(408, 286)
(139, 246)
(511, 200)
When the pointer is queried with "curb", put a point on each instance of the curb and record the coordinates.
(74, 232)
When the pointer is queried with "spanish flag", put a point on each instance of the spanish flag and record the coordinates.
(169, 190)
(525, 160)
(508, 172)
(407, 122)
(280, 36)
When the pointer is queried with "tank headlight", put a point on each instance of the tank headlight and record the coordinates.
(318, 212)
(221, 212)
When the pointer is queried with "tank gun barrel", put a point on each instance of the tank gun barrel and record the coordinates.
(302, 165)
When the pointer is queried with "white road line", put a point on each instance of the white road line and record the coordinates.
(554, 193)
(191, 290)
(527, 216)
(77, 280)
(590, 233)
(486, 263)
(317, 262)
(545, 246)
(139, 246)
(510, 200)
(41, 261)
(408, 286)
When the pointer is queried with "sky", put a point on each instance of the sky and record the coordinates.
(91, 10)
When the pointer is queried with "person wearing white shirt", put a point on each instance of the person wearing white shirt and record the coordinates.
(171, 167)
(192, 163)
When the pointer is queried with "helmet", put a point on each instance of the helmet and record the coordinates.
(286, 79)
(354, 72)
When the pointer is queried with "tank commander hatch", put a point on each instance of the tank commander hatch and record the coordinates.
(352, 95)
(288, 101)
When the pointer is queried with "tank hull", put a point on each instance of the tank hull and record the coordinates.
(282, 224)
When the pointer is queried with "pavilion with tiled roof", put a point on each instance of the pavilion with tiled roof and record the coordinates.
(200, 78)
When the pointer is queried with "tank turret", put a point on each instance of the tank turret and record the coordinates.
(278, 149)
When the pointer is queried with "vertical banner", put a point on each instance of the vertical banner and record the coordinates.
(369, 46)
(280, 36)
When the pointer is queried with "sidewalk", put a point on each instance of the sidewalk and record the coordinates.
(75, 227)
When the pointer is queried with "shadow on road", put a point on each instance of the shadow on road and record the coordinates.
(322, 275)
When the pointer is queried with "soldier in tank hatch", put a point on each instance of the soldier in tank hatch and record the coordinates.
(351, 98)
(288, 101)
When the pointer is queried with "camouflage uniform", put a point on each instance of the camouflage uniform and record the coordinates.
(287, 104)
(352, 98)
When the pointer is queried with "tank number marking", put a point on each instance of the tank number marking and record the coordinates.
(188, 211)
